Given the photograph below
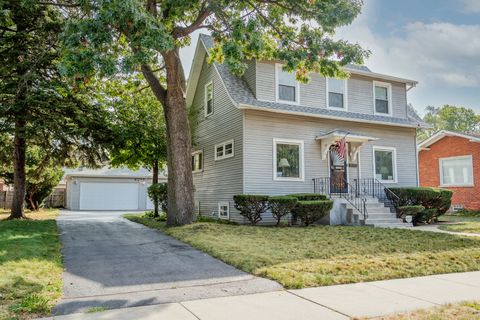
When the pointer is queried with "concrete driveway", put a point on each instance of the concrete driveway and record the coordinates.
(114, 263)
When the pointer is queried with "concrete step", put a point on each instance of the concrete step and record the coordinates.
(375, 215)
(387, 220)
(393, 225)
(378, 210)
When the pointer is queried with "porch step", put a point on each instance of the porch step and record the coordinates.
(376, 221)
(373, 215)
(399, 225)
(371, 209)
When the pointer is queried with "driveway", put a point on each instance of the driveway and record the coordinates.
(112, 262)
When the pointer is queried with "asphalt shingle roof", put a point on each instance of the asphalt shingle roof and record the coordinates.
(241, 94)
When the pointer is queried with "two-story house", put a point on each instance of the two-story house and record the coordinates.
(266, 133)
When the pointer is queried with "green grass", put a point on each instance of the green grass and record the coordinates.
(96, 309)
(457, 311)
(30, 265)
(327, 255)
(468, 224)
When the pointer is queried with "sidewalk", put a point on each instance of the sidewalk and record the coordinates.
(368, 299)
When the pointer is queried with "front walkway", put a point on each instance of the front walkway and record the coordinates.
(434, 228)
(368, 299)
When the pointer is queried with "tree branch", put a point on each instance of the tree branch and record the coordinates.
(179, 32)
(158, 90)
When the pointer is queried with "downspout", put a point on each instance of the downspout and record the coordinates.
(416, 159)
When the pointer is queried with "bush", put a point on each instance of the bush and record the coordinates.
(308, 196)
(151, 215)
(209, 219)
(313, 210)
(436, 200)
(468, 213)
(409, 211)
(281, 206)
(251, 206)
(158, 193)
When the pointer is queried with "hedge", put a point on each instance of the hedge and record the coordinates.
(251, 206)
(435, 200)
(281, 206)
(312, 210)
(308, 196)
(409, 211)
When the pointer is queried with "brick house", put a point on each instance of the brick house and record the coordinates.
(452, 160)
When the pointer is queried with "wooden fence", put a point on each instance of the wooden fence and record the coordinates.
(54, 200)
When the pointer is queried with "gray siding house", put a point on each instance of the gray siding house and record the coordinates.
(265, 133)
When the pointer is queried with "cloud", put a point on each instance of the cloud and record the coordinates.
(436, 54)
(470, 6)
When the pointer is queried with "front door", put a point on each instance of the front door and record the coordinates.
(338, 172)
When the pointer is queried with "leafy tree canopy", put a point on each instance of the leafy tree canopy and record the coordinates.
(451, 118)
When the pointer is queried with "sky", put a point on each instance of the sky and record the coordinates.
(436, 42)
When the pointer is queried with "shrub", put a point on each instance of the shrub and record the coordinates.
(468, 213)
(436, 200)
(151, 215)
(251, 206)
(409, 211)
(281, 206)
(308, 196)
(209, 219)
(313, 210)
(158, 193)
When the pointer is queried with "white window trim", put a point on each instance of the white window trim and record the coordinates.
(205, 99)
(195, 153)
(301, 162)
(395, 172)
(278, 66)
(345, 96)
(440, 163)
(220, 204)
(223, 144)
(389, 92)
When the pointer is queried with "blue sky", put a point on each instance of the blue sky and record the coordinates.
(435, 42)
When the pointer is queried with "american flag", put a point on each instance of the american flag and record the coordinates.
(342, 148)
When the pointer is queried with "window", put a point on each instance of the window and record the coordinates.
(382, 98)
(223, 210)
(456, 171)
(287, 85)
(336, 89)
(197, 161)
(288, 159)
(224, 150)
(385, 164)
(208, 99)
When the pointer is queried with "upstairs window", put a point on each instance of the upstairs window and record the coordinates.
(197, 161)
(456, 171)
(208, 99)
(382, 98)
(336, 93)
(224, 150)
(287, 86)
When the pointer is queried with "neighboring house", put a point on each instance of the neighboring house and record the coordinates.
(108, 189)
(265, 133)
(452, 160)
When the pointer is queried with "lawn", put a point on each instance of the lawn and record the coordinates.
(30, 265)
(459, 311)
(462, 224)
(327, 255)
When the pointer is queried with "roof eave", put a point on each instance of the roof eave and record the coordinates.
(382, 76)
(306, 114)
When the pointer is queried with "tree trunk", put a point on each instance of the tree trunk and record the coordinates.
(180, 179)
(19, 171)
(155, 181)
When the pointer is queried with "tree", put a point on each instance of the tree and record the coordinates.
(112, 36)
(451, 118)
(42, 174)
(137, 124)
(37, 105)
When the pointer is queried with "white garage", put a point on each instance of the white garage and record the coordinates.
(108, 189)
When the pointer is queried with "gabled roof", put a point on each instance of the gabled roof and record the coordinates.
(472, 137)
(242, 97)
(110, 172)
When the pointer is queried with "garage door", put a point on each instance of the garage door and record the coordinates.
(108, 196)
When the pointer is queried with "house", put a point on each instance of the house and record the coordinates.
(265, 133)
(451, 160)
(108, 189)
